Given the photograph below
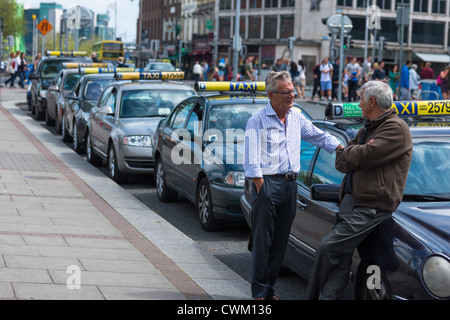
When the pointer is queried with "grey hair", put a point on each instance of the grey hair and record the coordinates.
(273, 77)
(380, 91)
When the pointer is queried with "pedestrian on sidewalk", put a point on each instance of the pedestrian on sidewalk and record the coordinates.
(316, 84)
(21, 69)
(10, 69)
(274, 174)
(376, 163)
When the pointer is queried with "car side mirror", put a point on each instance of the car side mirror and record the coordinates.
(326, 192)
(106, 110)
(32, 76)
(71, 96)
(53, 88)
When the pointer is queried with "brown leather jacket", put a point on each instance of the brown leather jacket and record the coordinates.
(380, 168)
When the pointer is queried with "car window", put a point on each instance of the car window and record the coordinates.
(104, 97)
(324, 171)
(58, 80)
(194, 122)
(160, 67)
(307, 151)
(429, 173)
(70, 81)
(151, 102)
(111, 101)
(93, 89)
(180, 115)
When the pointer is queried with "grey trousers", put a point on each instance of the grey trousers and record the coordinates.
(331, 271)
(273, 212)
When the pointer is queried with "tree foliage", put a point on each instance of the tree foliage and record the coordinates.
(12, 14)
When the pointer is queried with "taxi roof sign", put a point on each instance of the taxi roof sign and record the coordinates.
(67, 53)
(158, 75)
(73, 65)
(159, 60)
(105, 70)
(229, 86)
(403, 108)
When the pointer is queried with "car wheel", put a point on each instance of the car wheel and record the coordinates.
(204, 206)
(64, 134)
(39, 115)
(374, 286)
(113, 168)
(58, 125)
(92, 158)
(76, 142)
(48, 121)
(164, 193)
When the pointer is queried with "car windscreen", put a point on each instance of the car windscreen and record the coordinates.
(94, 88)
(160, 66)
(429, 174)
(151, 103)
(70, 81)
(227, 122)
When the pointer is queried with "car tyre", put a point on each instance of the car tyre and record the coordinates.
(204, 206)
(64, 134)
(39, 115)
(91, 157)
(164, 193)
(77, 146)
(58, 124)
(113, 168)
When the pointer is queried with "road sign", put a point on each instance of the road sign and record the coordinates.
(334, 24)
(44, 26)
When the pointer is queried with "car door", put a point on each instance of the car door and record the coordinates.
(172, 154)
(72, 106)
(53, 95)
(95, 118)
(314, 219)
(106, 122)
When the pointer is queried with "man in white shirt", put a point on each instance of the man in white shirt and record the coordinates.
(326, 71)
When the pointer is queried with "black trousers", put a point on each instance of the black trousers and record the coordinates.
(273, 213)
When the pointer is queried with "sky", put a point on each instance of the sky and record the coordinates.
(127, 12)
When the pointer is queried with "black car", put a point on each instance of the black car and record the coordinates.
(198, 150)
(78, 104)
(46, 70)
(410, 251)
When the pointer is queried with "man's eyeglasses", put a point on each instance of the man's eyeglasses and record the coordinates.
(285, 93)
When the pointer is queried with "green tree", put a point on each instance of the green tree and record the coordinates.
(12, 13)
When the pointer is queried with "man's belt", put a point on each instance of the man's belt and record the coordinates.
(289, 176)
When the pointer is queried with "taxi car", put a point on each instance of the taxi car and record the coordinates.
(46, 70)
(79, 102)
(411, 250)
(122, 123)
(198, 150)
(60, 86)
(159, 65)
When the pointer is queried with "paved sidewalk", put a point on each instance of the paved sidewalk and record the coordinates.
(64, 224)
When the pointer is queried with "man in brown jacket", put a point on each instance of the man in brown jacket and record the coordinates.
(376, 163)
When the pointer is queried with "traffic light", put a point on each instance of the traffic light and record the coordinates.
(350, 43)
(383, 43)
(290, 43)
(345, 42)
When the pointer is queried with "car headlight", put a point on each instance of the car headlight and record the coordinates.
(436, 275)
(138, 141)
(235, 178)
(43, 93)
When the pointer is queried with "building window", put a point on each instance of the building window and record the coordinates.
(438, 6)
(254, 27)
(225, 28)
(421, 6)
(271, 4)
(253, 4)
(225, 4)
(287, 3)
(344, 3)
(270, 27)
(243, 4)
(286, 26)
(428, 32)
(384, 4)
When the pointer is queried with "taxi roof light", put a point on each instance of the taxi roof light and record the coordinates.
(67, 53)
(230, 86)
(159, 60)
(74, 65)
(158, 75)
(433, 108)
(105, 70)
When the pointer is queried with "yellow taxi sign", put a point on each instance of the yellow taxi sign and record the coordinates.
(66, 53)
(73, 65)
(230, 86)
(158, 75)
(105, 70)
(159, 60)
(403, 108)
